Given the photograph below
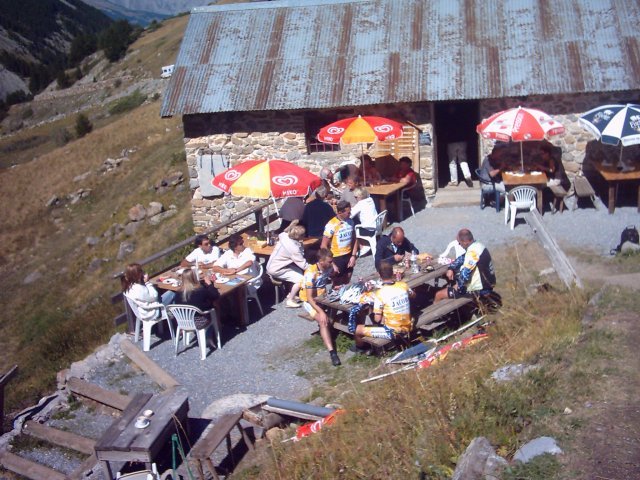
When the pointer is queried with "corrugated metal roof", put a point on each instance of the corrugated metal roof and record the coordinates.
(330, 53)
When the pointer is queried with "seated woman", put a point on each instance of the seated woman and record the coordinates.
(365, 210)
(287, 261)
(136, 286)
(239, 260)
(405, 173)
(368, 171)
(197, 294)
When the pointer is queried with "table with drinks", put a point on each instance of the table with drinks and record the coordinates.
(227, 285)
(264, 244)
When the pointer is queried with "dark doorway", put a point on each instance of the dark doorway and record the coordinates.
(456, 122)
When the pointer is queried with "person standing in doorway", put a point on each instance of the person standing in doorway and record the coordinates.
(457, 153)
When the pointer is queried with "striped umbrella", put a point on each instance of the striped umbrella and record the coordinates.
(614, 124)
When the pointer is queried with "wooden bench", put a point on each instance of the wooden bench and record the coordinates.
(428, 319)
(211, 439)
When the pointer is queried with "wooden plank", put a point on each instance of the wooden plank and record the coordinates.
(291, 413)
(6, 378)
(27, 468)
(59, 437)
(437, 310)
(99, 394)
(560, 262)
(112, 434)
(214, 434)
(89, 464)
(150, 367)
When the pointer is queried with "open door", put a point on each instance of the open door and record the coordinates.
(455, 122)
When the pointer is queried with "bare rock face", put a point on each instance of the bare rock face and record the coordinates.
(131, 228)
(156, 219)
(479, 462)
(32, 277)
(137, 213)
(126, 249)
(154, 208)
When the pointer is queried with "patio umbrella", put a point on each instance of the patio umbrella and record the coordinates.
(614, 124)
(360, 130)
(266, 179)
(519, 125)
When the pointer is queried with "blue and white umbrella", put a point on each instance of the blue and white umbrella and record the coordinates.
(613, 125)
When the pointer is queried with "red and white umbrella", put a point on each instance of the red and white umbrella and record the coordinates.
(519, 125)
(266, 179)
(360, 130)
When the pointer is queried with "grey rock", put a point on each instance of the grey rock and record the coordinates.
(92, 241)
(479, 462)
(126, 249)
(94, 265)
(537, 446)
(137, 213)
(53, 201)
(154, 208)
(131, 228)
(156, 219)
(232, 404)
(81, 177)
(511, 372)
(193, 183)
(174, 179)
(32, 277)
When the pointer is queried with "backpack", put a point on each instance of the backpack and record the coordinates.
(629, 234)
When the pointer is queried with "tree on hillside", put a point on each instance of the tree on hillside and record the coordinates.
(83, 125)
(115, 39)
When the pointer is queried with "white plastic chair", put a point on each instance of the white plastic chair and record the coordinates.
(405, 198)
(140, 475)
(373, 240)
(252, 289)
(147, 325)
(520, 198)
(185, 315)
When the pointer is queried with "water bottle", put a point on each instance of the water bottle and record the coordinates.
(414, 263)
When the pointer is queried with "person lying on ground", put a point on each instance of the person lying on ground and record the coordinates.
(239, 260)
(314, 283)
(393, 247)
(287, 261)
(473, 272)
(391, 310)
(339, 236)
(204, 253)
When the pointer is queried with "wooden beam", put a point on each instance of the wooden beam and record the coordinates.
(99, 394)
(6, 378)
(560, 262)
(150, 367)
(88, 464)
(59, 437)
(27, 468)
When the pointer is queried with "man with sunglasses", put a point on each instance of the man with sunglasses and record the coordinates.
(205, 252)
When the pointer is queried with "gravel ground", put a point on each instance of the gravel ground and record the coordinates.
(265, 358)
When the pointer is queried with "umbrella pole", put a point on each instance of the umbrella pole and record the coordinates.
(521, 159)
(364, 171)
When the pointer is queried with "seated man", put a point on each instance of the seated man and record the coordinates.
(204, 252)
(474, 270)
(339, 236)
(314, 284)
(489, 171)
(239, 260)
(368, 171)
(405, 173)
(347, 193)
(287, 261)
(317, 213)
(391, 310)
(393, 248)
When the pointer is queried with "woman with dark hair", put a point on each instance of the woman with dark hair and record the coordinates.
(136, 286)
(197, 294)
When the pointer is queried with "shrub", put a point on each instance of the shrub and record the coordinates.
(61, 137)
(127, 103)
(83, 125)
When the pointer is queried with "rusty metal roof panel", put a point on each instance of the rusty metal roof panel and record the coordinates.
(326, 53)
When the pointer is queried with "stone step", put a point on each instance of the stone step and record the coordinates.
(457, 196)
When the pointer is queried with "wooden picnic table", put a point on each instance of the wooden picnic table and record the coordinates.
(236, 286)
(383, 191)
(260, 248)
(536, 180)
(124, 442)
(614, 177)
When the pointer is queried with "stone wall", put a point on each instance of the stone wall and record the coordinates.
(577, 144)
(269, 135)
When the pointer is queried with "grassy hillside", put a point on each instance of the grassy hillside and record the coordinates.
(66, 313)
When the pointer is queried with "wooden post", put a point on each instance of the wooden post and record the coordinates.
(3, 381)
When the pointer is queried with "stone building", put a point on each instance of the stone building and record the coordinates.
(258, 80)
